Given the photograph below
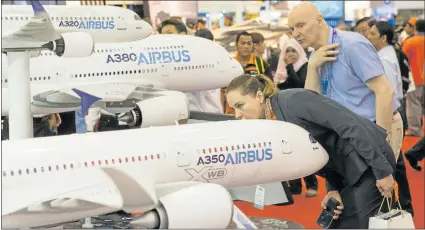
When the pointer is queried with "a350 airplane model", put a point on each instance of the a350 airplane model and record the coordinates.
(69, 31)
(165, 172)
(128, 74)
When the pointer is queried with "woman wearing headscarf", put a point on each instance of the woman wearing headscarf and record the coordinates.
(291, 73)
(292, 68)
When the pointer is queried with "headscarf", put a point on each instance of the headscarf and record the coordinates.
(282, 73)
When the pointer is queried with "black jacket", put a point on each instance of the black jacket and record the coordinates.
(354, 143)
(295, 79)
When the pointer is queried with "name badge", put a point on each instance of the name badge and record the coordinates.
(259, 197)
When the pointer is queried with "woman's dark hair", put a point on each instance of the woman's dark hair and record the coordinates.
(249, 85)
(420, 25)
(384, 28)
(257, 38)
(205, 33)
(180, 27)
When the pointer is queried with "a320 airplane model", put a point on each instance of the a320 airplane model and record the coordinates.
(69, 31)
(165, 172)
(122, 76)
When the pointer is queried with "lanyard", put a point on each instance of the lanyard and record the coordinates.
(325, 79)
(269, 111)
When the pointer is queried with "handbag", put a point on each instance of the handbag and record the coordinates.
(394, 219)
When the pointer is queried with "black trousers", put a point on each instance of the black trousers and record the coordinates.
(403, 114)
(361, 201)
(310, 182)
(403, 185)
(400, 175)
(417, 152)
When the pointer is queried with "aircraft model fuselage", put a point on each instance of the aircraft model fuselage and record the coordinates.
(106, 24)
(57, 179)
(125, 73)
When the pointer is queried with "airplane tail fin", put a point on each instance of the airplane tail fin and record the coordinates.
(87, 100)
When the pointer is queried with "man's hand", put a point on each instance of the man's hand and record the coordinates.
(323, 54)
(336, 196)
(386, 186)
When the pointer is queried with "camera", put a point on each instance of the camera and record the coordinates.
(326, 216)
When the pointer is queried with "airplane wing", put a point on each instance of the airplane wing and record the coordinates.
(105, 189)
(38, 30)
(87, 95)
(54, 194)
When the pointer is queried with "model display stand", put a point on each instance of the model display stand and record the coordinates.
(270, 223)
(116, 221)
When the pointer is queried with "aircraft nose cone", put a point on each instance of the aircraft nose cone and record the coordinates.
(318, 157)
(299, 148)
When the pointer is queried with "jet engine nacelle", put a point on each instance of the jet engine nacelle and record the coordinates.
(72, 45)
(158, 111)
(198, 206)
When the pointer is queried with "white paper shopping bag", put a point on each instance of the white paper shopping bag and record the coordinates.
(398, 219)
(395, 219)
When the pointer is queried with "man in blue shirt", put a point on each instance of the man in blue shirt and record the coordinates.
(346, 68)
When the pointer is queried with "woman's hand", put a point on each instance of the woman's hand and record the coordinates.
(289, 59)
(336, 196)
(323, 54)
(386, 186)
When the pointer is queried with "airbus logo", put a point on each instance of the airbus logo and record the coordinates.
(206, 174)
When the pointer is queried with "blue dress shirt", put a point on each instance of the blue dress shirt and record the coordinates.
(357, 62)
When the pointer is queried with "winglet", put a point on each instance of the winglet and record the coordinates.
(37, 7)
(87, 100)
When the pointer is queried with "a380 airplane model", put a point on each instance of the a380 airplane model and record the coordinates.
(129, 74)
(47, 181)
(69, 31)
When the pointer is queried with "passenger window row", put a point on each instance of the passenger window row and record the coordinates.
(237, 147)
(61, 18)
(194, 67)
(35, 79)
(86, 164)
(107, 50)
(115, 73)
(165, 47)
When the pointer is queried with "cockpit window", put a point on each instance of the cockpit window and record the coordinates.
(137, 17)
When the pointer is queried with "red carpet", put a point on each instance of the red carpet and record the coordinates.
(306, 210)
